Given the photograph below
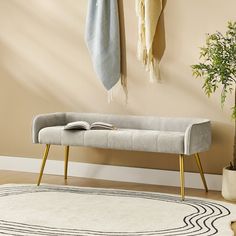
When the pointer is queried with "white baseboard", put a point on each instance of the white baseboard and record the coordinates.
(109, 172)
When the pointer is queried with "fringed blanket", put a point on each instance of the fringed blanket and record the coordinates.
(103, 40)
(148, 12)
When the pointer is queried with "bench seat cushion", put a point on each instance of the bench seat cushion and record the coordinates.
(123, 139)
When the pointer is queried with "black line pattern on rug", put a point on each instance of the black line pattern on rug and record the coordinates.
(200, 222)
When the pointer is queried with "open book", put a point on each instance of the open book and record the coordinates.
(84, 125)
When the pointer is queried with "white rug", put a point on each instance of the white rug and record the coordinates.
(60, 210)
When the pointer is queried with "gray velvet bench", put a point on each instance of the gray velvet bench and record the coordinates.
(181, 136)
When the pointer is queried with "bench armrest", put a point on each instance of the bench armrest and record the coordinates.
(46, 120)
(197, 137)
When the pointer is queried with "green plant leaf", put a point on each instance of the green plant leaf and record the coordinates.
(217, 65)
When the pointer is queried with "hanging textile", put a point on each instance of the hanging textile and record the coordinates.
(103, 40)
(148, 12)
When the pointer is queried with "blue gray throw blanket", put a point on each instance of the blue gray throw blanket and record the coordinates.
(103, 40)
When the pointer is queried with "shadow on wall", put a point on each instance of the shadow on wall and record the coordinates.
(123, 43)
(222, 137)
(159, 44)
(44, 67)
(42, 47)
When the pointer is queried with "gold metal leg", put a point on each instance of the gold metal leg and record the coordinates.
(181, 168)
(45, 155)
(66, 161)
(201, 170)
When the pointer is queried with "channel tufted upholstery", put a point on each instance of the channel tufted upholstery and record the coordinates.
(125, 139)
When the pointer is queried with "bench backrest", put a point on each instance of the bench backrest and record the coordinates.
(135, 122)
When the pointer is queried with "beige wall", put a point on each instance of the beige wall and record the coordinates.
(45, 67)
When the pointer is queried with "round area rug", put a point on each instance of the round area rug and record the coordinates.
(62, 210)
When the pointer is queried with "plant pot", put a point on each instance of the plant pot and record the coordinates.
(229, 184)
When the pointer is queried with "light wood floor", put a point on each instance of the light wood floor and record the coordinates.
(7, 177)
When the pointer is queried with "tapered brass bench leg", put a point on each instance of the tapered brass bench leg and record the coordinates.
(201, 170)
(66, 161)
(43, 163)
(181, 168)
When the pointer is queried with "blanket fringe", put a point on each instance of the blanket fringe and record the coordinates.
(117, 89)
(110, 95)
(123, 80)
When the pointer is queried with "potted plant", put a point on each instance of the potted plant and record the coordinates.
(217, 67)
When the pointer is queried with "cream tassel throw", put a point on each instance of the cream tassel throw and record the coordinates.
(148, 12)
